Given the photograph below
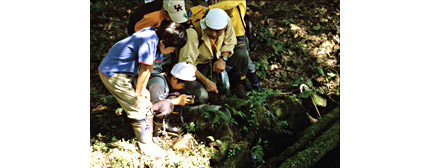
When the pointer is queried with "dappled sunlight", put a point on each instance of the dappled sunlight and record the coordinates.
(294, 27)
(274, 67)
(299, 44)
(122, 153)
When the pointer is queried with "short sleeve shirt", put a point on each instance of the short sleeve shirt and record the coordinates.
(158, 87)
(126, 55)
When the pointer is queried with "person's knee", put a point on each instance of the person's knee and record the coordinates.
(198, 90)
(162, 108)
(241, 54)
(202, 96)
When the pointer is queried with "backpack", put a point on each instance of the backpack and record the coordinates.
(249, 31)
(195, 14)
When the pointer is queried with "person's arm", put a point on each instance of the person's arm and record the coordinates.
(219, 64)
(190, 51)
(209, 85)
(147, 21)
(229, 40)
(142, 80)
(227, 48)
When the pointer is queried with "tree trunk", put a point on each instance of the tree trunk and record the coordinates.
(308, 134)
(328, 141)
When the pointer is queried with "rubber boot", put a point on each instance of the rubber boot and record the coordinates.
(169, 125)
(143, 131)
(238, 85)
(255, 82)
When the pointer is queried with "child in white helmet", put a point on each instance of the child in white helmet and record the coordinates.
(162, 86)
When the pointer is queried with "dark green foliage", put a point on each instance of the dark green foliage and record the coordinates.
(328, 141)
(245, 133)
(307, 136)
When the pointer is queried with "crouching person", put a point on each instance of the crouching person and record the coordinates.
(163, 88)
(210, 48)
(132, 57)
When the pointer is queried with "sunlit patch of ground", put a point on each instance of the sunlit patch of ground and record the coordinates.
(125, 153)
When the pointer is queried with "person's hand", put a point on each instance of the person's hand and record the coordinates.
(219, 66)
(143, 99)
(192, 100)
(184, 99)
(210, 86)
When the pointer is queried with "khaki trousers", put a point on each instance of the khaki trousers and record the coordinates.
(120, 85)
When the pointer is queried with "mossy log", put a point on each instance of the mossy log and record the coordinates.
(241, 158)
(328, 141)
(308, 134)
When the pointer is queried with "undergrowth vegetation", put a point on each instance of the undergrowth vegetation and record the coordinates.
(298, 44)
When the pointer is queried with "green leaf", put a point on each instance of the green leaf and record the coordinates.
(226, 116)
(331, 75)
(297, 7)
(309, 82)
(119, 110)
(298, 81)
(219, 141)
(113, 138)
(94, 92)
(321, 71)
(319, 100)
(306, 93)
(317, 27)
(216, 119)
(287, 22)
(211, 138)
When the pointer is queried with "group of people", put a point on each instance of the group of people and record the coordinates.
(148, 78)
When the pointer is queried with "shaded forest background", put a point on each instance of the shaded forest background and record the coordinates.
(299, 43)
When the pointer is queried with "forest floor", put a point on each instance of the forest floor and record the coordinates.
(299, 43)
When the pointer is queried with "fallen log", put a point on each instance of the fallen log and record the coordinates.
(308, 134)
(328, 141)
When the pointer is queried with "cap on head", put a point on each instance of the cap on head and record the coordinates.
(176, 10)
(216, 19)
(184, 71)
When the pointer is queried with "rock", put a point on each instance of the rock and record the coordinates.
(287, 107)
(184, 143)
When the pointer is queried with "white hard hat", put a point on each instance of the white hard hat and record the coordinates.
(215, 19)
(184, 71)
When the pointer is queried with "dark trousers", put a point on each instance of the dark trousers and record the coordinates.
(238, 63)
